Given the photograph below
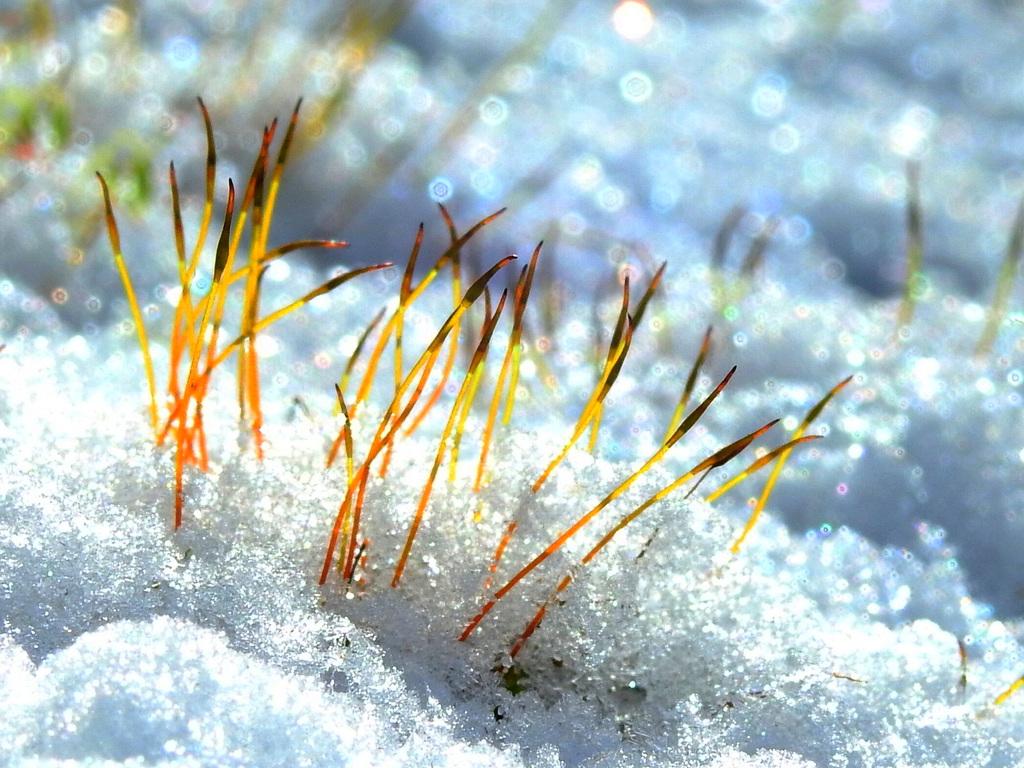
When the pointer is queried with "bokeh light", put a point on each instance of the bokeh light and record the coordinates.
(633, 20)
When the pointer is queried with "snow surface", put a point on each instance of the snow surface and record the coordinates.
(831, 639)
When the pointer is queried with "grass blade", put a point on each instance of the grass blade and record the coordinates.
(133, 302)
(913, 285)
(777, 470)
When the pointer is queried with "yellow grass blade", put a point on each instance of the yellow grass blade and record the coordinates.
(211, 177)
(620, 323)
(279, 165)
(249, 369)
(403, 302)
(460, 426)
(453, 237)
(780, 464)
(179, 227)
(181, 329)
(133, 302)
(509, 365)
(218, 296)
(1015, 686)
(344, 437)
(247, 377)
(645, 299)
(691, 381)
(360, 343)
(517, 331)
(604, 385)
(687, 424)
(636, 319)
(620, 327)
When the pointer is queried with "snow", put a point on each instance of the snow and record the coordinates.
(834, 636)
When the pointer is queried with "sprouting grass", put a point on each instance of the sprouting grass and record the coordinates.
(347, 521)
(716, 459)
(133, 302)
(416, 386)
(196, 350)
(619, 348)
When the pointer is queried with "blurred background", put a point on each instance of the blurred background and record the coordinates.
(623, 133)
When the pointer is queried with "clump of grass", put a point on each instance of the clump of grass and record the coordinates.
(200, 346)
(718, 458)
(346, 542)
(347, 521)
(196, 350)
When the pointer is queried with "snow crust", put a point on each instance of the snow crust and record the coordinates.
(127, 642)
